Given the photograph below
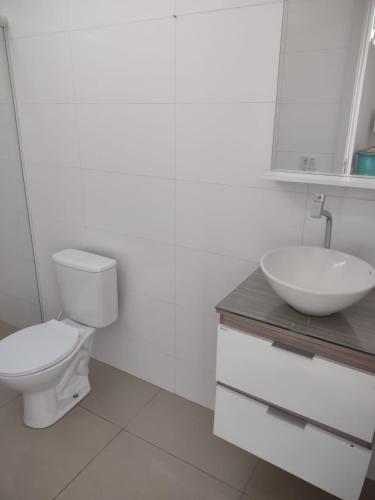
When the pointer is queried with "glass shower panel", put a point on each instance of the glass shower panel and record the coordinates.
(19, 297)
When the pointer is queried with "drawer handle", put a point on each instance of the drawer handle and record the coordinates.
(295, 350)
(282, 415)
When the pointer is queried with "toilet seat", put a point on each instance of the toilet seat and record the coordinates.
(36, 348)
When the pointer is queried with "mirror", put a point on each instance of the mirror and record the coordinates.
(325, 109)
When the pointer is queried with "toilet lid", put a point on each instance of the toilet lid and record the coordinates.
(35, 348)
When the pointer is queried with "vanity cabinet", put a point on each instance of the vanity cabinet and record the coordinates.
(297, 400)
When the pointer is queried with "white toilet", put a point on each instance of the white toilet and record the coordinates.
(48, 363)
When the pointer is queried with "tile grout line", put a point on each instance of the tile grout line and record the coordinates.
(143, 407)
(70, 29)
(251, 476)
(88, 463)
(120, 429)
(172, 179)
(184, 461)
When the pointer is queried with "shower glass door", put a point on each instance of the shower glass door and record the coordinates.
(19, 296)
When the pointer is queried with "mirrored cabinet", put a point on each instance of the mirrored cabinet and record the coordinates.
(325, 110)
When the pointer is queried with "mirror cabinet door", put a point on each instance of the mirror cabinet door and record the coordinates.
(325, 109)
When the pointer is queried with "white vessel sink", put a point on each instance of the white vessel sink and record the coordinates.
(317, 281)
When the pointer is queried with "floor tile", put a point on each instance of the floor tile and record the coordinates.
(185, 430)
(116, 395)
(271, 483)
(131, 469)
(35, 464)
(6, 395)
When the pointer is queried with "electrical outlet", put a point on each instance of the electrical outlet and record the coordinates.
(304, 163)
(307, 163)
(312, 163)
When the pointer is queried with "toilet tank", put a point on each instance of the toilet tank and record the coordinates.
(88, 287)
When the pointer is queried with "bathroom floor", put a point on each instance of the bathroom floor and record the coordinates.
(129, 440)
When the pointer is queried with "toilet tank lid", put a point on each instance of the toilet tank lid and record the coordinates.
(83, 261)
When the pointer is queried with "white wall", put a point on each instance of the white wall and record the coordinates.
(19, 303)
(145, 137)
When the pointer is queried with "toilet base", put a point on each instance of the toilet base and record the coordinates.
(46, 406)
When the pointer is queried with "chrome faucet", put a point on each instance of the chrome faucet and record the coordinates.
(317, 211)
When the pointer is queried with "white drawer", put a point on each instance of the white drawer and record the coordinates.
(323, 459)
(323, 391)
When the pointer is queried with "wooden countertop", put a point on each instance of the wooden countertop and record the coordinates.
(348, 336)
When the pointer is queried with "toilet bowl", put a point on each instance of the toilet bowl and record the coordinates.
(52, 375)
(49, 363)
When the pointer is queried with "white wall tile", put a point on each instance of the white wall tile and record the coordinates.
(196, 334)
(318, 24)
(238, 66)
(195, 383)
(228, 143)
(49, 134)
(203, 279)
(55, 192)
(147, 266)
(136, 62)
(308, 127)
(190, 6)
(146, 320)
(34, 17)
(313, 76)
(133, 205)
(88, 13)
(43, 68)
(135, 357)
(238, 222)
(129, 138)
(353, 226)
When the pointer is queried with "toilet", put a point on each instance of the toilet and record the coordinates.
(49, 363)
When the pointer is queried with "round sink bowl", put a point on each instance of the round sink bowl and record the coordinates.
(317, 281)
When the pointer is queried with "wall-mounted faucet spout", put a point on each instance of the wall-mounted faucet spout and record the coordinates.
(318, 211)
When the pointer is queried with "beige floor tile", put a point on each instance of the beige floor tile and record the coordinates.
(271, 483)
(6, 395)
(116, 395)
(37, 464)
(279, 485)
(185, 430)
(131, 469)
